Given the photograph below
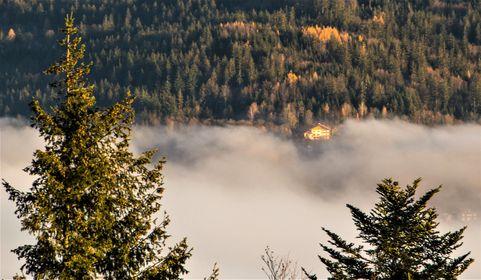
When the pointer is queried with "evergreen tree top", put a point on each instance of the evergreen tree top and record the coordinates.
(93, 206)
(401, 240)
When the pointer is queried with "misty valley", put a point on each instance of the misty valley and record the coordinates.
(231, 198)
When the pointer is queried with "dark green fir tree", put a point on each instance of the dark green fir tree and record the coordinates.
(402, 241)
(93, 204)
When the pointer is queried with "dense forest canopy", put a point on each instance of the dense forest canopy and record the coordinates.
(279, 62)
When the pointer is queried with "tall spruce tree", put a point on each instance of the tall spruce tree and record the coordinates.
(91, 207)
(402, 240)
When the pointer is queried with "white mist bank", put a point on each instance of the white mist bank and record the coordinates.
(232, 191)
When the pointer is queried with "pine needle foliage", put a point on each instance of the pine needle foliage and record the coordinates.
(91, 207)
(402, 240)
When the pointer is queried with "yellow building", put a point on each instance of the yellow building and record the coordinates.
(319, 132)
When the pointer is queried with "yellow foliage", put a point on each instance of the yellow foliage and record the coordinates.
(239, 26)
(292, 78)
(384, 111)
(11, 34)
(324, 34)
(379, 19)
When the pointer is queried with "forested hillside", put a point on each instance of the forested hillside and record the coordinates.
(278, 62)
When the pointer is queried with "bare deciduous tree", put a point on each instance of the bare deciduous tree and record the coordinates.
(280, 268)
(215, 273)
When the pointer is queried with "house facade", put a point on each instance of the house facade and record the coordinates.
(319, 132)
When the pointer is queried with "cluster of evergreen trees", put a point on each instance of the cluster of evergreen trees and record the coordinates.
(258, 60)
(91, 206)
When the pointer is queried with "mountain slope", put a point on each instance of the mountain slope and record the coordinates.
(280, 62)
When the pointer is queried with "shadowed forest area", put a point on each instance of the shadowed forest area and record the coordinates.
(286, 63)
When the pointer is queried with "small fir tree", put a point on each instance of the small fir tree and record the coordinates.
(92, 204)
(402, 241)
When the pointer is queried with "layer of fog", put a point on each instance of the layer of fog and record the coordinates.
(232, 191)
